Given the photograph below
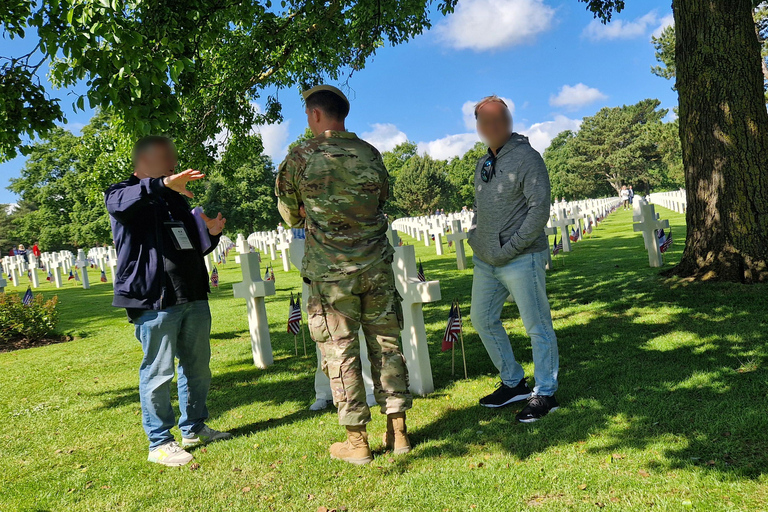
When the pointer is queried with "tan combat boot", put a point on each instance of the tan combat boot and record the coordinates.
(396, 436)
(355, 449)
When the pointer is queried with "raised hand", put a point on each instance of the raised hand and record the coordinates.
(178, 182)
(215, 225)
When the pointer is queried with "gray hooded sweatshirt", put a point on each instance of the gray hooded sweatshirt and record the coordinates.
(512, 209)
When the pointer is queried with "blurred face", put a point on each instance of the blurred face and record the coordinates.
(156, 162)
(494, 124)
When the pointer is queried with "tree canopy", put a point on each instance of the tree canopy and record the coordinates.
(187, 68)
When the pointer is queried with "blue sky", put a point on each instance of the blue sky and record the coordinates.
(548, 57)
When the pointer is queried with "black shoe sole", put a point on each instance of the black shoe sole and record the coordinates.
(533, 420)
(517, 398)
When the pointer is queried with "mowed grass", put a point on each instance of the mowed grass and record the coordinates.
(663, 393)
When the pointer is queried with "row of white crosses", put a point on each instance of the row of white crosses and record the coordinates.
(648, 223)
(413, 291)
(675, 200)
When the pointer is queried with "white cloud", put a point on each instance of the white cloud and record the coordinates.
(541, 134)
(575, 96)
(274, 137)
(449, 146)
(492, 24)
(384, 136)
(468, 111)
(621, 29)
(664, 22)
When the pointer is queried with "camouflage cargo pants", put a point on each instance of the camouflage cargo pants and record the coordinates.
(337, 310)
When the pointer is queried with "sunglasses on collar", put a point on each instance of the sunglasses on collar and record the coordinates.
(489, 169)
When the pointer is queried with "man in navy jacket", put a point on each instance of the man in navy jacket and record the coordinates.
(162, 282)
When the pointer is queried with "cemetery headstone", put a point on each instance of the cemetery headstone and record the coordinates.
(253, 289)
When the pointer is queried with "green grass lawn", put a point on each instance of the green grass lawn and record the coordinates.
(662, 384)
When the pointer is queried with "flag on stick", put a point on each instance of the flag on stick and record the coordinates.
(452, 330)
(294, 317)
(50, 276)
(667, 243)
(103, 277)
(420, 273)
(28, 297)
(71, 275)
(557, 247)
(215, 277)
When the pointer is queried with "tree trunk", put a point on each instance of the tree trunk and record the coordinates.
(724, 136)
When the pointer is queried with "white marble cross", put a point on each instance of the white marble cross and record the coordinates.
(284, 245)
(414, 334)
(458, 236)
(562, 222)
(14, 268)
(82, 262)
(253, 289)
(242, 244)
(649, 225)
(578, 215)
(113, 264)
(437, 231)
(54, 267)
(550, 231)
(424, 228)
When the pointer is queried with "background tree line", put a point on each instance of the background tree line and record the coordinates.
(62, 183)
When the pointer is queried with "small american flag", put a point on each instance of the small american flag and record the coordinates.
(71, 276)
(266, 275)
(667, 243)
(453, 329)
(557, 247)
(574, 235)
(28, 297)
(420, 273)
(294, 316)
(77, 276)
(215, 277)
(103, 277)
(271, 273)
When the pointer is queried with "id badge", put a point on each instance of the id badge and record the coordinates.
(179, 235)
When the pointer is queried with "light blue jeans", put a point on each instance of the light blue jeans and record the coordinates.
(181, 331)
(524, 279)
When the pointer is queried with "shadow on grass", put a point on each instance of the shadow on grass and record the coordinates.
(643, 362)
(660, 366)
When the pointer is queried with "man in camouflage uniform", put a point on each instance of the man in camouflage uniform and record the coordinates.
(335, 185)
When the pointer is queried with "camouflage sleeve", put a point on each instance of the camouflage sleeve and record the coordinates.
(287, 190)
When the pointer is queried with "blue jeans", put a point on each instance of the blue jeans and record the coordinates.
(524, 279)
(181, 331)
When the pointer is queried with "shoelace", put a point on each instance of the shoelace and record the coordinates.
(537, 401)
(173, 447)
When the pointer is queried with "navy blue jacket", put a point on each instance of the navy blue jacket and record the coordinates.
(138, 209)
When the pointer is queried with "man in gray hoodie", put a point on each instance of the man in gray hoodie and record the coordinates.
(512, 195)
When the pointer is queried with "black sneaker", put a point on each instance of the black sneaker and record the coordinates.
(538, 407)
(505, 395)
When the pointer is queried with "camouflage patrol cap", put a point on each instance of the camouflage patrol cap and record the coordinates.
(309, 92)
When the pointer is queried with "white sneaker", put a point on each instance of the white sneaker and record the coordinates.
(169, 454)
(204, 436)
(320, 404)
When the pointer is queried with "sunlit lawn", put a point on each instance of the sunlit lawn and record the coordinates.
(663, 388)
